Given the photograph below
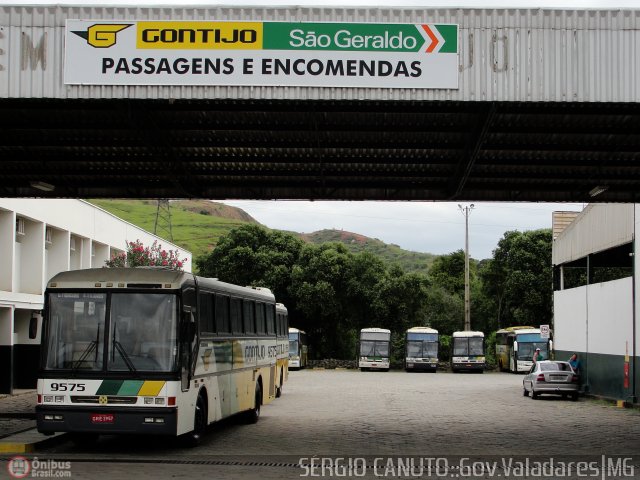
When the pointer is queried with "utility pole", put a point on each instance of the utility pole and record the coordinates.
(163, 219)
(466, 211)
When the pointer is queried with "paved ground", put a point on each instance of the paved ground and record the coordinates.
(350, 413)
(17, 412)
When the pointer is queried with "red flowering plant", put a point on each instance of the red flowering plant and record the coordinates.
(138, 255)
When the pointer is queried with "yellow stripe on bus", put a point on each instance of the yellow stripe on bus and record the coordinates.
(151, 388)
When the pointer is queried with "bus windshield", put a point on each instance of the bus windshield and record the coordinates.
(293, 347)
(527, 349)
(420, 349)
(142, 332)
(374, 348)
(465, 346)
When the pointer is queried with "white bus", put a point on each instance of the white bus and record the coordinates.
(515, 347)
(155, 351)
(298, 348)
(468, 351)
(374, 349)
(421, 350)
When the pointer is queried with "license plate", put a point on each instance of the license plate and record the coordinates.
(102, 418)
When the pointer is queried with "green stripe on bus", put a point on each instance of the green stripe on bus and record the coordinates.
(109, 387)
(130, 387)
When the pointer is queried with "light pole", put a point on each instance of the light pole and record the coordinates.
(466, 211)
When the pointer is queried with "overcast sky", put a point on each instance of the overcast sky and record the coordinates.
(418, 226)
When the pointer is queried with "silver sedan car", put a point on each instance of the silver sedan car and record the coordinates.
(551, 377)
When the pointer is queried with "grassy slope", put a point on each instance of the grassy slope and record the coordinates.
(198, 224)
(192, 230)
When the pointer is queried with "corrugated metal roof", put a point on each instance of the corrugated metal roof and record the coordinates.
(597, 228)
(529, 55)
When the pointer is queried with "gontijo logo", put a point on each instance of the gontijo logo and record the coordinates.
(200, 35)
(102, 35)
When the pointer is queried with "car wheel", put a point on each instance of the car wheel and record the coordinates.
(525, 392)
(534, 395)
(574, 397)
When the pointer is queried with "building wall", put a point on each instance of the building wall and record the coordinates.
(59, 235)
(599, 321)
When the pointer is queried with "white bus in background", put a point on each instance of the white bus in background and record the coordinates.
(282, 335)
(374, 349)
(421, 349)
(515, 347)
(467, 351)
(298, 348)
(155, 351)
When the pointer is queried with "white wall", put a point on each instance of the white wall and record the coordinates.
(6, 326)
(7, 248)
(610, 319)
(570, 314)
(31, 264)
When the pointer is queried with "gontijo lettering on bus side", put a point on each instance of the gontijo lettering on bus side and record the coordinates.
(262, 53)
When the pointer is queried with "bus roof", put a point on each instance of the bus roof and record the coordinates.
(527, 330)
(513, 329)
(375, 330)
(422, 330)
(156, 278)
(295, 330)
(468, 334)
(281, 308)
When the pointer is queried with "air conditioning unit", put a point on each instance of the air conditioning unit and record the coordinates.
(48, 236)
(20, 226)
(72, 244)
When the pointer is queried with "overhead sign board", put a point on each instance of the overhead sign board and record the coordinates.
(373, 55)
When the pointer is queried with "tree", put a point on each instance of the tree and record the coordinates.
(137, 255)
(519, 278)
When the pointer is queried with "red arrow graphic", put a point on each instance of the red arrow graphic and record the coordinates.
(434, 39)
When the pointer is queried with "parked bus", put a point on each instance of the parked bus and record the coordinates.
(374, 349)
(515, 347)
(154, 351)
(502, 350)
(282, 335)
(468, 351)
(298, 349)
(421, 350)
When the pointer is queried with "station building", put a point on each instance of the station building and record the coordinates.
(595, 307)
(38, 239)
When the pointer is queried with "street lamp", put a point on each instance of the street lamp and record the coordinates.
(466, 211)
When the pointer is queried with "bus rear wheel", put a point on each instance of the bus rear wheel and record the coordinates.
(253, 415)
(279, 387)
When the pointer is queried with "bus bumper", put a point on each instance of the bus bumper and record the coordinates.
(421, 366)
(117, 420)
(468, 366)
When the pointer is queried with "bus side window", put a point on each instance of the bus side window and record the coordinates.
(236, 316)
(271, 326)
(261, 327)
(248, 316)
(222, 314)
(206, 312)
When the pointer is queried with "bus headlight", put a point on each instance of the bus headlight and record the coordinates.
(148, 400)
(59, 398)
(48, 398)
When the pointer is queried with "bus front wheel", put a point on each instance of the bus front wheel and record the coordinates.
(279, 387)
(193, 438)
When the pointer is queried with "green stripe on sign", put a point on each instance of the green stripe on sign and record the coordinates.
(130, 387)
(450, 35)
(109, 387)
(364, 37)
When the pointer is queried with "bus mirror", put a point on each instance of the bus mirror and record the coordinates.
(551, 345)
(33, 326)
(515, 346)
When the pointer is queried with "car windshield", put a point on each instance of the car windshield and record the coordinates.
(555, 366)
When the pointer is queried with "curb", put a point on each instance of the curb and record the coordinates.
(27, 441)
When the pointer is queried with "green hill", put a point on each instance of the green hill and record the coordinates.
(409, 261)
(196, 224)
